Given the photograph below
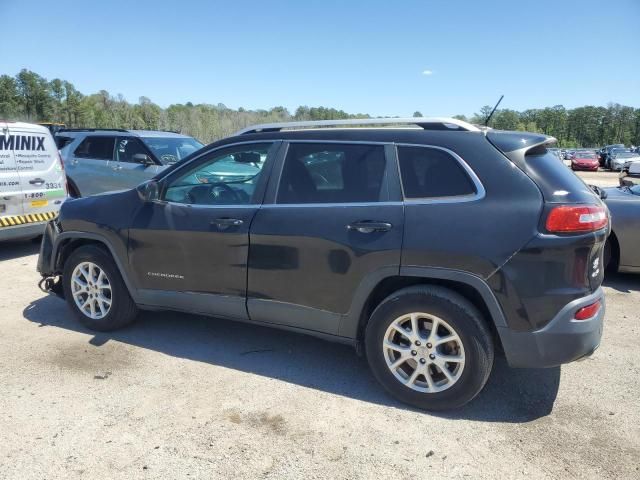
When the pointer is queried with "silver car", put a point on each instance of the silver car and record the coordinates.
(619, 159)
(622, 252)
(102, 160)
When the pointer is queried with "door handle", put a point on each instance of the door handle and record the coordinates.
(36, 181)
(227, 222)
(366, 226)
(117, 167)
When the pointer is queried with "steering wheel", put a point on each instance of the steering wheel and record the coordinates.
(212, 193)
(168, 158)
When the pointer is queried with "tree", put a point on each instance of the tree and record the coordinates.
(30, 97)
(10, 101)
(417, 114)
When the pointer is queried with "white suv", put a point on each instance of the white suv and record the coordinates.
(32, 180)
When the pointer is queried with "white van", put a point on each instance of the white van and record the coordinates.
(32, 180)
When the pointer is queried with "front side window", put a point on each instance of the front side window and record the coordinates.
(170, 150)
(97, 148)
(432, 173)
(127, 147)
(226, 177)
(332, 173)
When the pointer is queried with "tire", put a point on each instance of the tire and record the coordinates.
(121, 309)
(72, 190)
(455, 315)
(610, 263)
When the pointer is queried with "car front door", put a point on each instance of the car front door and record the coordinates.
(88, 166)
(188, 250)
(334, 223)
(128, 167)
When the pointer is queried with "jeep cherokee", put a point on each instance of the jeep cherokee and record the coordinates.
(428, 248)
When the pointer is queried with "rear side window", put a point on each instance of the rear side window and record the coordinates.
(98, 148)
(432, 173)
(62, 141)
(332, 173)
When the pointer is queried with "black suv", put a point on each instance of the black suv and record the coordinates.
(427, 248)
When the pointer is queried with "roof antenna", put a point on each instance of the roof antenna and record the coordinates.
(486, 122)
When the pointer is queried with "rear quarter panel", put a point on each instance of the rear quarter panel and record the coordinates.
(475, 236)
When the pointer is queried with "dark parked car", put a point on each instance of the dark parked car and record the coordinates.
(427, 248)
(605, 154)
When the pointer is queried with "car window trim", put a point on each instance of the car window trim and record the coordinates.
(266, 170)
(478, 195)
(273, 190)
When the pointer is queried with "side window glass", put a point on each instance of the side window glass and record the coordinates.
(227, 177)
(432, 173)
(97, 148)
(127, 147)
(332, 173)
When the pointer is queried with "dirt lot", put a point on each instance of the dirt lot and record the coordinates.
(178, 396)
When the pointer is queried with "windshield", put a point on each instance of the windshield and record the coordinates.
(170, 150)
(635, 189)
(624, 154)
(585, 155)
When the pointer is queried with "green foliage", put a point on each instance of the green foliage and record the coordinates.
(587, 126)
(30, 97)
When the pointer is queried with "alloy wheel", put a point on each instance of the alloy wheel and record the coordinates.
(91, 290)
(423, 352)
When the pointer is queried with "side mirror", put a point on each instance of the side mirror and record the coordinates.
(144, 159)
(149, 191)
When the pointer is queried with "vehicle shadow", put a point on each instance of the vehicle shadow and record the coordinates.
(18, 248)
(622, 282)
(511, 395)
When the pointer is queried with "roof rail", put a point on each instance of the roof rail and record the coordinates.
(92, 130)
(428, 123)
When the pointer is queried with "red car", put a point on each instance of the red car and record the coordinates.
(585, 161)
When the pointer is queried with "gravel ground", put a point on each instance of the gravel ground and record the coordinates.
(179, 396)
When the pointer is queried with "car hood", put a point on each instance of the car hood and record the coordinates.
(620, 194)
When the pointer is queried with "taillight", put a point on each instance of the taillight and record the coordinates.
(576, 218)
(588, 312)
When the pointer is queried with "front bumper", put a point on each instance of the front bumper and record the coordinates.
(589, 168)
(20, 232)
(562, 340)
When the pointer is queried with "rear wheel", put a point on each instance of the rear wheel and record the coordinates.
(95, 290)
(429, 347)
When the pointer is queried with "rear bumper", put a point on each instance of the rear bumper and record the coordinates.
(562, 340)
(18, 232)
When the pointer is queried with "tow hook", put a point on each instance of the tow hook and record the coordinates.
(51, 285)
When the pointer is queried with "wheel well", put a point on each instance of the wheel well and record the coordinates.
(615, 250)
(68, 246)
(73, 187)
(392, 284)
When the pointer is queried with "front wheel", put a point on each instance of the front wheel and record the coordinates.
(95, 291)
(429, 347)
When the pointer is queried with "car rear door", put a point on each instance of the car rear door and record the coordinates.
(334, 222)
(128, 172)
(10, 185)
(41, 175)
(89, 166)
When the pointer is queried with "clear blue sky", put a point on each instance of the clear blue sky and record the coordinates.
(361, 56)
